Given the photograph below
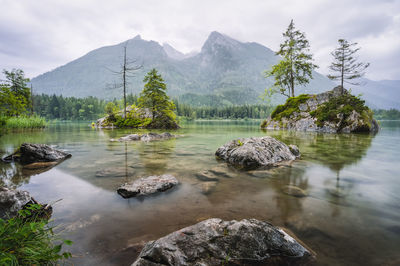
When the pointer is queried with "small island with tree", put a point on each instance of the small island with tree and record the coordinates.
(154, 109)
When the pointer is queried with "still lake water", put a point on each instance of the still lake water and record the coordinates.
(351, 216)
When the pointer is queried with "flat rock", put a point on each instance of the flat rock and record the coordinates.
(147, 185)
(29, 153)
(253, 153)
(218, 242)
(294, 191)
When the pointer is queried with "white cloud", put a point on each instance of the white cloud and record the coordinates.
(40, 35)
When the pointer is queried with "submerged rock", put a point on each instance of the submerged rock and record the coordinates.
(294, 191)
(12, 201)
(147, 185)
(218, 242)
(39, 165)
(29, 153)
(252, 153)
(207, 176)
(146, 137)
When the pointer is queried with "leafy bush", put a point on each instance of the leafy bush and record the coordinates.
(27, 239)
(343, 105)
(292, 105)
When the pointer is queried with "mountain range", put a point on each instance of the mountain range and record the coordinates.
(225, 71)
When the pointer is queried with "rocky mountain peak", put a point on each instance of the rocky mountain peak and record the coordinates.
(218, 40)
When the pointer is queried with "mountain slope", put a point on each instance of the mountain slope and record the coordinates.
(227, 68)
(384, 94)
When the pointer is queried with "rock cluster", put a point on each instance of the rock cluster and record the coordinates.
(303, 120)
(218, 242)
(29, 153)
(252, 153)
(147, 185)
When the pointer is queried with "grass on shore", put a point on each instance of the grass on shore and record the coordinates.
(23, 122)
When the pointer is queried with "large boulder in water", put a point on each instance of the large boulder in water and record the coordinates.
(252, 153)
(32, 153)
(147, 185)
(218, 242)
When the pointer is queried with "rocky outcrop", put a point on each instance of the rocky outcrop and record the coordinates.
(147, 185)
(29, 153)
(108, 121)
(146, 137)
(12, 201)
(252, 153)
(303, 115)
(218, 242)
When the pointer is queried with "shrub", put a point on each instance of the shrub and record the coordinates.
(345, 105)
(292, 105)
(27, 239)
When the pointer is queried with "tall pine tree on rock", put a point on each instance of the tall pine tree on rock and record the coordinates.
(345, 66)
(296, 65)
(155, 98)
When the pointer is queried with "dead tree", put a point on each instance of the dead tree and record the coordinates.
(127, 70)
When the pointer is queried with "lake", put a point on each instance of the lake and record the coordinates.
(351, 215)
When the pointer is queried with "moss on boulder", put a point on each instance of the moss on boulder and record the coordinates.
(330, 112)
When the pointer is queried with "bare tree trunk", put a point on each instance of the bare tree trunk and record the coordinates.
(32, 111)
(124, 81)
(341, 84)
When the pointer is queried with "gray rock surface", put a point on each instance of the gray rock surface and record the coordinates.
(303, 121)
(252, 153)
(218, 242)
(147, 185)
(11, 201)
(31, 153)
(146, 137)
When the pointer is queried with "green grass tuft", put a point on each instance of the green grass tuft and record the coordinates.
(23, 122)
(26, 239)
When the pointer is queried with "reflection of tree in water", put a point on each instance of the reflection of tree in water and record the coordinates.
(12, 176)
(333, 150)
(155, 155)
(283, 176)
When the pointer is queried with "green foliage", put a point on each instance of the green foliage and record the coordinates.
(15, 96)
(295, 67)
(343, 105)
(240, 143)
(225, 112)
(110, 108)
(27, 239)
(345, 66)
(391, 114)
(24, 122)
(154, 97)
(292, 105)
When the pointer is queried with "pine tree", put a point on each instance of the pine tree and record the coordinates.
(154, 97)
(345, 65)
(296, 65)
(15, 94)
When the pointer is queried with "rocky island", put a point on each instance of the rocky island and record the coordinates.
(335, 111)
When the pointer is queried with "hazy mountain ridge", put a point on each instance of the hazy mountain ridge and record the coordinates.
(225, 68)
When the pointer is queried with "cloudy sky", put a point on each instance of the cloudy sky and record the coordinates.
(40, 35)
